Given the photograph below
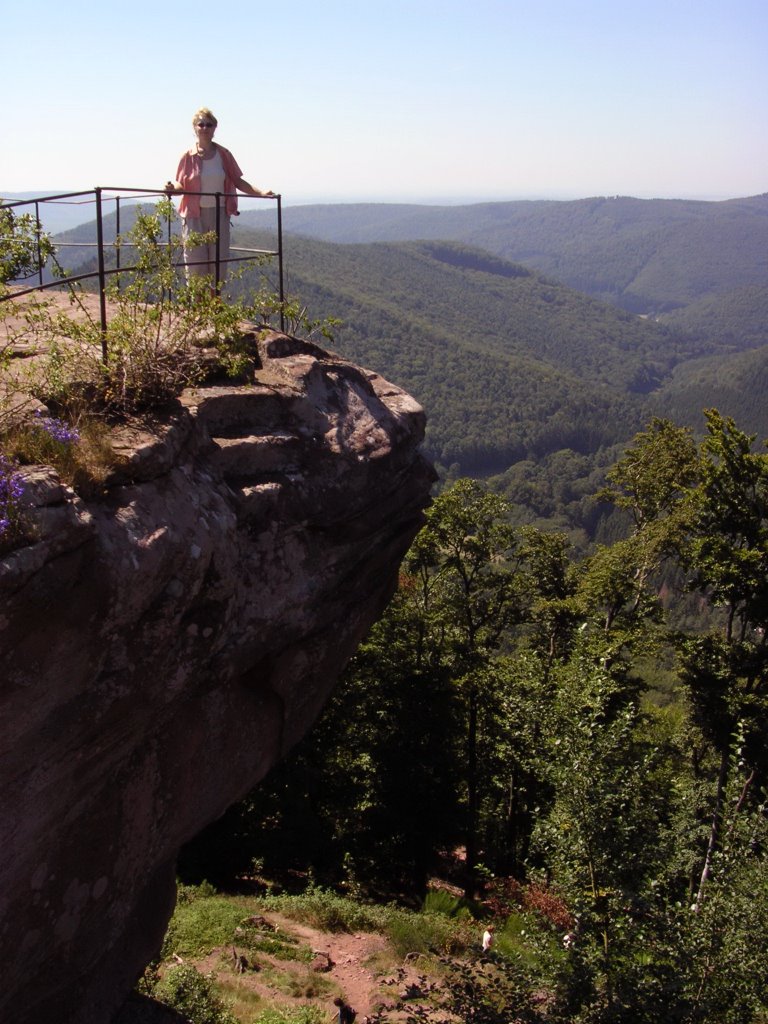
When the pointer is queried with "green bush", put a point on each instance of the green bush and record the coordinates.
(156, 332)
(186, 990)
(22, 247)
(488, 993)
(416, 933)
(426, 933)
(190, 893)
(438, 901)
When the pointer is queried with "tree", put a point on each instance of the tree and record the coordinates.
(726, 556)
(650, 482)
(370, 795)
(552, 580)
(653, 474)
(23, 247)
(388, 746)
(728, 550)
(470, 593)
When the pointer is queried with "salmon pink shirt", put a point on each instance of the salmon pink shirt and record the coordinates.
(188, 176)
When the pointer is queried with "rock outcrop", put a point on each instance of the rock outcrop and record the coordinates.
(163, 646)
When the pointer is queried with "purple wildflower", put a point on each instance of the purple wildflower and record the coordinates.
(57, 429)
(11, 490)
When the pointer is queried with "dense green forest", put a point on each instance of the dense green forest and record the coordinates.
(524, 380)
(516, 361)
(646, 256)
(736, 385)
(528, 724)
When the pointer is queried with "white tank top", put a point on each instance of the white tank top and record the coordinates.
(212, 179)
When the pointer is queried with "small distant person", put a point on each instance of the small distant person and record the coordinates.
(210, 168)
(488, 938)
(345, 1014)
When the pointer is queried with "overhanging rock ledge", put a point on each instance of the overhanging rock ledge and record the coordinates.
(162, 647)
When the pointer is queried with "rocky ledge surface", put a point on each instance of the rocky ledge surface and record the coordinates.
(163, 646)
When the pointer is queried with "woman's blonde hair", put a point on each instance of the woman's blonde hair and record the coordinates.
(205, 114)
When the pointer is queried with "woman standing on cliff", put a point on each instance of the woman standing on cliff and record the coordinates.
(208, 168)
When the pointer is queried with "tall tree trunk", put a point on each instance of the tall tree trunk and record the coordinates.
(714, 832)
(472, 801)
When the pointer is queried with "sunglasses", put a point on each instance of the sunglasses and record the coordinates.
(205, 124)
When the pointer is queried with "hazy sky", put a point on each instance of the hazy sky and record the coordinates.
(342, 100)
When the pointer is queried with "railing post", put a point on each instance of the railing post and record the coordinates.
(280, 260)
(102, 274)
(117, 239)
(37, 236)
(172, 278)
(218, 240)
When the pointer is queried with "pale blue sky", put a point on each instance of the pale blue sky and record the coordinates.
(440, 100)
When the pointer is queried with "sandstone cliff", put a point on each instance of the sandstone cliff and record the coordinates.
(162, 647)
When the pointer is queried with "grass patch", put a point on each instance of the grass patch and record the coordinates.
(280, 949)
(327, 911)
(525, 940)
(243, 1001)
(78, 448)
(199, 926)
(409, 932)
(427, 933)
(292, 1015)
(297, 984)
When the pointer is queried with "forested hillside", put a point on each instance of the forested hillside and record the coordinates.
(735, 384)
(647, 256)
(735, 319)
(522, 378)
(509, 365)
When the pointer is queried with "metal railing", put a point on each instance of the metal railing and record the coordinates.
(102, 195)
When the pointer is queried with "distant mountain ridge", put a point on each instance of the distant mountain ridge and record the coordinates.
(648, 256)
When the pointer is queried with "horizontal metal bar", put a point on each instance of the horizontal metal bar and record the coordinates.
(186, 192)
(264, 252)
(48, 199)
(63, 282)
(138, 192)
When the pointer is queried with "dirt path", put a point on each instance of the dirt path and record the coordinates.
(350, 956)
(358, 962)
